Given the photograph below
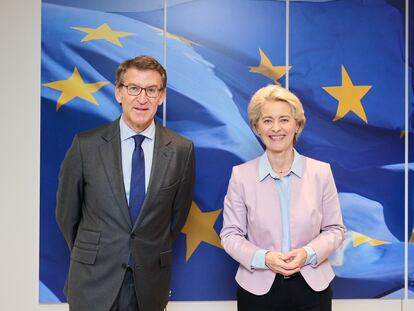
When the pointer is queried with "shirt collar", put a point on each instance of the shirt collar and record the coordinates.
(127, 132)
(265, 168)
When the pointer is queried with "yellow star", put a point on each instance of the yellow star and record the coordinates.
(359, 238)
(402, 134)
(349, 97)
(267, 69)
(103, 32)
(412, 237)
(75, 87)
(199, 227)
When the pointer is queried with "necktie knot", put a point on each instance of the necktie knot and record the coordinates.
(138, 140)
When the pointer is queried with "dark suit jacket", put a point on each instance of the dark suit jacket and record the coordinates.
(92, 213)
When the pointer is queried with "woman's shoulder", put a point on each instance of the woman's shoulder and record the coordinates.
(248, 167)
(312, 164)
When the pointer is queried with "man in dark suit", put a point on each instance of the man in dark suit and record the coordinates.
(125, 190)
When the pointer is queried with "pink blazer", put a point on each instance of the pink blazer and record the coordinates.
(252, 221)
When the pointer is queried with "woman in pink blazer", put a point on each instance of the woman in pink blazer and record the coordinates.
(282, 217)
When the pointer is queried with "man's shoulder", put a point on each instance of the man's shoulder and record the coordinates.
(107, 130)
(174, 137)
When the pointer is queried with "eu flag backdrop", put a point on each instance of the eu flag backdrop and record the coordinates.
(346, 64)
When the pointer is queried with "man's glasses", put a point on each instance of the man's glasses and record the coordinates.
(134, 90)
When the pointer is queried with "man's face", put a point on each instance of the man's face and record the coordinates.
(139, 111)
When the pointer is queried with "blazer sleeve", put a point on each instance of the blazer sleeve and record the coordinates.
(70, 193)
(184, 196)
(235, 225)
(332, 232)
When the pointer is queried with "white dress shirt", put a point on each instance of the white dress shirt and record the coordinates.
(127, 148)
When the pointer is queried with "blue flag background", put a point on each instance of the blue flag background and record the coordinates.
(218, 54)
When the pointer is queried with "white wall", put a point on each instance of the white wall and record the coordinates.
(19, 171)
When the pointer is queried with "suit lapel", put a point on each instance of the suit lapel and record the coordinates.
(110, 152)
(160, 163)
(296, 205)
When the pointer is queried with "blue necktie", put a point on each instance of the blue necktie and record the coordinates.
(137, 186)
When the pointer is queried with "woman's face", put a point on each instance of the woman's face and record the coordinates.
(277, 127)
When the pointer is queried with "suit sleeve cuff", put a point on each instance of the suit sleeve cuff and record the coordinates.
(311, 259)
(259, 260)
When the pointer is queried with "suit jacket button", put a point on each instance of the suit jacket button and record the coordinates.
(124, 265)
(133, 235)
